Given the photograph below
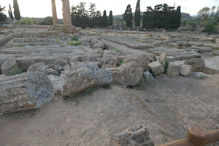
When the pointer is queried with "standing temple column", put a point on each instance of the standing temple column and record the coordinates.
(66, 13)
(54, 14)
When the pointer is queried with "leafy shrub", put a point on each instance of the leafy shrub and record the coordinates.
(75, 43)
(26, 21)
(47, 21)
(210, 28)
(75, 38)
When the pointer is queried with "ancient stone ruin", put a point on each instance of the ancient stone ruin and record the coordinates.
(40, 64)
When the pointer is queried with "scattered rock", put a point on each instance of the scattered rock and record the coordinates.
(163, 58)
(174, 68)
(132, 73)
(58, 83)
(141, 59)
(26, 91)
(186, 70)
(38, 67)
(204, 49)
(51, 71)
(10, 67)
(137, 136)
(117, 77)
(200, 75)
(148, 76)
(198, 64)
(81, 76)
(156, 68)
(99, 44)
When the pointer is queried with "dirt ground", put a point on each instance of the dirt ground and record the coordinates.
(166, 106)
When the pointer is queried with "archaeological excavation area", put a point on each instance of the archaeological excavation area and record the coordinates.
(98, 87)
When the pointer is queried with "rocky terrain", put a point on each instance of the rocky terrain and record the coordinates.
(85, 88)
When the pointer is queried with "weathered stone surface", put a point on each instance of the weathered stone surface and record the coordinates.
(148, 76)
(198, 64)
(58, 83)
(51, 71)
(141, 59)
(10, 67)
(163, 58)
(110, 60)
(156, 68)
(25, 91)
(132, 73)
(38, 67)
(137, 136)
(83, 75)
(117, 77)
(99, 44)
(174, 68)
(200, 75)
(204, 49)
(186, 70)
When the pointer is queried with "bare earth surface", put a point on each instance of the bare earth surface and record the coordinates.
(167, 106)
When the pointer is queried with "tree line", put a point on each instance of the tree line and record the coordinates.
(81, 17)
(162, 16)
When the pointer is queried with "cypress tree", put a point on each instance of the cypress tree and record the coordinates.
(137, 14)
(17, 14)
(10, 13)
(128, 17)
(111, 18)
(104, 19)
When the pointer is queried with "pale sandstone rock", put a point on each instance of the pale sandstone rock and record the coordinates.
(81, 76)
(156, 68)
(198, 64)
(132, 73)
(137, 136)
(186, 70)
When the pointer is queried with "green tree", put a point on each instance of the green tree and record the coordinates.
(104, 19)
(2, 15)
(10, 13)
(80, 16)
(111, 18)
(17, 14)
(128, 17)
(47, 21)
(137, 14)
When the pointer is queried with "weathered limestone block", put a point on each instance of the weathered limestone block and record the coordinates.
(26, 91)
(51, 71)
(80, 76)
(38, 67)
(156, 68)
(131, 72)
(174, 68)
(110, 60)
(198, 64)
(117, 77)
(163, 58)
(137, 136)
(99, 44)
(186, 70)
(10, 67)
(58, 83)
(204, 49)
(141, 59)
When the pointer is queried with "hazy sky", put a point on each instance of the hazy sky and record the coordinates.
(42, 8)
